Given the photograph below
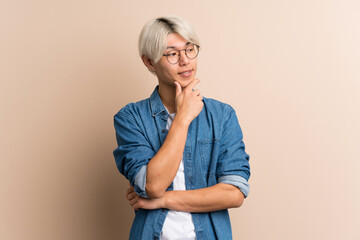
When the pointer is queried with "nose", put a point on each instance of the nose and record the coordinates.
(184, 60)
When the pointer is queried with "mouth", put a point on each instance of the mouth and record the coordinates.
(186, 73)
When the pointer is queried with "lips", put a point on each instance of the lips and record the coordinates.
(186, 73)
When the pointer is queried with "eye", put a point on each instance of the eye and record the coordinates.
(190, 49)
(172, 54)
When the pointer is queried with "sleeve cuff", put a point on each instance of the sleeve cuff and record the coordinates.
(238, 182)
(140, 181)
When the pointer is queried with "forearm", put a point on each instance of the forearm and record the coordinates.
(218, 197)
(162, 168)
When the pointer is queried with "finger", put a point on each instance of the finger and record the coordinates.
(193, 83)
(177, 88)
(131, 196)
(129, 191)
(128, 196)
(133, 201)
(135, 207)
(196, 92)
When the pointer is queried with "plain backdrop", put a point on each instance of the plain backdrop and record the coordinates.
(290, 69)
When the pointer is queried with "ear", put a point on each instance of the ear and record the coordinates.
(148, 63)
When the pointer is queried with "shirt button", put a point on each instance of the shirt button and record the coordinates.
(163, 210)
(164, 130)
(188, 155)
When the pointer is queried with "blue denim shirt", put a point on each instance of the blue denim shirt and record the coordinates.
(214, 152)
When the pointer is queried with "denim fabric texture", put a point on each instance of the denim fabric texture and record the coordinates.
(214, 152)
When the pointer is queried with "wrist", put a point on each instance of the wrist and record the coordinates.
(181, 121)
(165, 200)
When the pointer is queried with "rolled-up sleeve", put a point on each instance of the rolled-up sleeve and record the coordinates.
(233, 163)
(237, 181)
(133, 152)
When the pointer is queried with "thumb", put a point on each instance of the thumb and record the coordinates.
(178, 88)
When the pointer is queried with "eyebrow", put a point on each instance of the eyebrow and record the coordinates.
(175, 47)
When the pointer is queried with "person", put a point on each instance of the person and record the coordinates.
(182, 153)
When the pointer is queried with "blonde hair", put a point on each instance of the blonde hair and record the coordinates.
(153, 36)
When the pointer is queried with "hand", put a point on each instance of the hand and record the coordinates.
(138, 202)
(188, 103)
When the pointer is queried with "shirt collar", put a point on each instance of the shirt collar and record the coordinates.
(156, 104)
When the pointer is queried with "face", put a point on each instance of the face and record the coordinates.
(183, 72)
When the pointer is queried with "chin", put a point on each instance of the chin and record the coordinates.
(185, 82)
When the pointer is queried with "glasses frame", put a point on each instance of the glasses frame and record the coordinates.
(166, 55)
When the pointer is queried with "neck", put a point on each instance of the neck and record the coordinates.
(167, 96)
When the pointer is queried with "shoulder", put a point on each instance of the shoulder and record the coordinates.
(216, 107)
(133, 109)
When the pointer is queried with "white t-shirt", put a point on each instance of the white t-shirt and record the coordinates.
(178, 225)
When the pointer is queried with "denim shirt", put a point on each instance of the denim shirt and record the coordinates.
(214, 152)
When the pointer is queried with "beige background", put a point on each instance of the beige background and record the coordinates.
(289, 68)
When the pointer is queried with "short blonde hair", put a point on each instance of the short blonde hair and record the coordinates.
(153, 36)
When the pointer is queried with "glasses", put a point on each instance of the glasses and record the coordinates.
(174, 56)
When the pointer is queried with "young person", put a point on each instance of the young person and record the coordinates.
(182, 153)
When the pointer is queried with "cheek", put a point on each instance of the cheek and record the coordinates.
(171, 72)
(168, 71)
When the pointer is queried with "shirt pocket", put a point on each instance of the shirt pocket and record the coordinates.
(208, 154)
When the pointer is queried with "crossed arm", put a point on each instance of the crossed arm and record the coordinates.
(218, 197)
(162, 169)
(160, 172)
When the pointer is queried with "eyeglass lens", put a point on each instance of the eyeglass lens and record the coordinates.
(191, 52)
